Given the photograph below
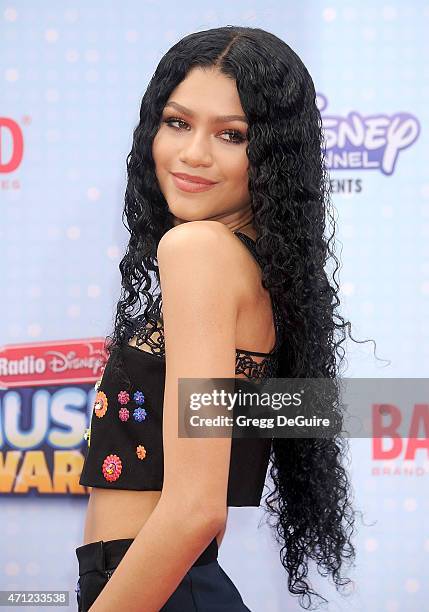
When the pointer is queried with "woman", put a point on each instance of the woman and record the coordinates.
(233, 107)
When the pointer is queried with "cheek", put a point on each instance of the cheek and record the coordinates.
(238, 179)
(237, 170)
(161, 147)
(161, 163)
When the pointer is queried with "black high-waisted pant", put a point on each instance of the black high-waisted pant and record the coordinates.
(204, 588)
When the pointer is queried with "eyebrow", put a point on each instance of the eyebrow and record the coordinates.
(219, 119)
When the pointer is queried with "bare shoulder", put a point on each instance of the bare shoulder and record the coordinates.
(202, 252)
(204, 236)
(208, 241)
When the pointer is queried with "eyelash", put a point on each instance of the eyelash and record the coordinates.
(238, 134)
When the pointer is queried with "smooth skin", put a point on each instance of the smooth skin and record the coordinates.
(191, 139)
(213, 301)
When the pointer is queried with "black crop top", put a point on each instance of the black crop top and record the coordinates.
(125, 445)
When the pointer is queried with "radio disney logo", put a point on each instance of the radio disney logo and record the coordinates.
(51, 363)
(61, 362)
(11, 145)
(356, 142)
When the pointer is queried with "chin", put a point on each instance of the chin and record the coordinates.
(184, 216)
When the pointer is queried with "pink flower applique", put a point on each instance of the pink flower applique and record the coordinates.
(123, 397)
(112, 467)
(124, 413)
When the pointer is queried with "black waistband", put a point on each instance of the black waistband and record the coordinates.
(103, 555)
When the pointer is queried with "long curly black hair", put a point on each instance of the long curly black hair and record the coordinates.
(290, 199)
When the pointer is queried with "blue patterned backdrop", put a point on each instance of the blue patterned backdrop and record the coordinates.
(72, 77)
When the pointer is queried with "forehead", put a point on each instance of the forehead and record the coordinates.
(207, 93)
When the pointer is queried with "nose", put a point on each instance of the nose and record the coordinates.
(196, 152)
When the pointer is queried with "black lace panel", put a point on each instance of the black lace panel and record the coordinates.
(247, 365)
(252, 364)
(150, 338)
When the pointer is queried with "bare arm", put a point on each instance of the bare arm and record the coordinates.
(200, 305)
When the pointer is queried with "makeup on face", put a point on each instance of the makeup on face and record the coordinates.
(190, 186)
(201, 146)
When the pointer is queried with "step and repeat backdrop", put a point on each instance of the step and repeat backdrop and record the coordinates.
(72, 76)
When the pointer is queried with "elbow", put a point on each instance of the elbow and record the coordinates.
(207, 516)
(201, 513)
(212, 519)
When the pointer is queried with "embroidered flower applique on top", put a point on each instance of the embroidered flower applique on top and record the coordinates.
(123, 397)
(138, 397)
(100, 405)
(112, 468)
(141, 451)
(139, 414)
(124, 414)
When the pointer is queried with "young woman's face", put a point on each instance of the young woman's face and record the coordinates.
(193, 140)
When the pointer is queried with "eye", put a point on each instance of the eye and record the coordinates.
(238, 136)
(174, 120)
(235, 134)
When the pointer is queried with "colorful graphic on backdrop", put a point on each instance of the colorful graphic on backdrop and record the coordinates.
(47, 392)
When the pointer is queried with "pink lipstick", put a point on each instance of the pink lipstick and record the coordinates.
(190, 186)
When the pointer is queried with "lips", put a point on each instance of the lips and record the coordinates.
(193, 179)
(191, 187)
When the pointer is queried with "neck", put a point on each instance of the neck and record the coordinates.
(243, 225)
(247, 229)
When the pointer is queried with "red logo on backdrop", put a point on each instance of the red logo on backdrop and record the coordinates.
(52, 363)
(11, 145)
(396, 443)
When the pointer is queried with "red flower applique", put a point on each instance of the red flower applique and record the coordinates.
(112, 467)
(123, 397)
(124, 414)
